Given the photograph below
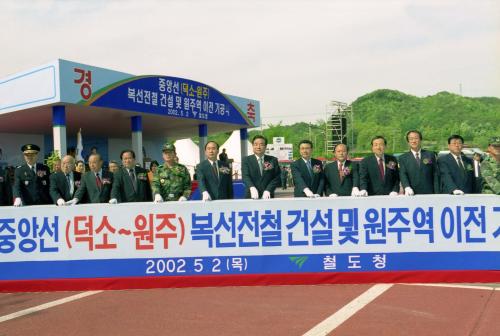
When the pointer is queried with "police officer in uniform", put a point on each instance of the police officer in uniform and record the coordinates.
(172, 181)
(31, 185)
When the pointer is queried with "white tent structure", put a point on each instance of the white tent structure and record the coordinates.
(188, 153)
(233, 150)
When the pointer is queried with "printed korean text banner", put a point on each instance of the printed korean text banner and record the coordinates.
(281, 241)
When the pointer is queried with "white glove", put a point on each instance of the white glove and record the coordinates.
(158, 198)
(333, 195)
(409, 191)
(206, 196)
(254, 193)
(60, 202)
(355, 191)
(266, 195)
(113, 201)
(363, 193)
(458, 192)
(182, 199)
(72, 202)
(393, 193)
(316, 196)
(308, 192)
(18, 202)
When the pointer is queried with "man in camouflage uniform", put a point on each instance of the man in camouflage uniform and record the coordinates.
(172, 181)
(490, 168)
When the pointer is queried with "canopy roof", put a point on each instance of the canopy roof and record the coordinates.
(102, 101)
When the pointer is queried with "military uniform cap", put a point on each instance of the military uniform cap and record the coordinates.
(168, 146)
(494, 141)
(30, 149)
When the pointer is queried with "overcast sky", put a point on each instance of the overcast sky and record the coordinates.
(294, 55)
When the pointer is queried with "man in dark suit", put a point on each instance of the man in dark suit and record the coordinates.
(130, 183)
(307, 173)
(31, 179)
(214, 176)
(342, 175)
(64, 184)
(261, 173)
(418, 168)
(223, 156)
(96, 184)
(378, 173)
(457, 170)
(5, 188)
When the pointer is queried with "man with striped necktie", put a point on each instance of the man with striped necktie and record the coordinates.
(457, 170)
(96, 183)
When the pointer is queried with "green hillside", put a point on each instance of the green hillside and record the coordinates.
(392, 113)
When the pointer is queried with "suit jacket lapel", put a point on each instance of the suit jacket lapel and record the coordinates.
(386, 167)
(255, 164)
(304, 171)
(374, 160)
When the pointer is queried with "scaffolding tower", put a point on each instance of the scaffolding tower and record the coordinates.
(338, 116)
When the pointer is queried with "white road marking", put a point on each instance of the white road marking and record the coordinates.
(339, 317)
(47, 305)
(452, 286)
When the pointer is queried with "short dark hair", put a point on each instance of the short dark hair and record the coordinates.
(211, 141)
(258, 136)
(346, 146)
(455, 136)
(308, 142)
(376, 137)
(77, 162)
(413, 131)
(154, 162)
(127, 151)
(113, 161)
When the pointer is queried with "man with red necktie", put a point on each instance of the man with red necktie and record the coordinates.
(96, 184)
(379, 173)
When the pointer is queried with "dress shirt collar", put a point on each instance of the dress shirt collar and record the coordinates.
(258, 157)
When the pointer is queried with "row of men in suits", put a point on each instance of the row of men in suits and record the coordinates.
(261, 173)
(35, 185)
(417, 172)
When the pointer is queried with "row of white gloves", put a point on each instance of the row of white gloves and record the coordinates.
(409, 192)
(254, 194)
(61, 202)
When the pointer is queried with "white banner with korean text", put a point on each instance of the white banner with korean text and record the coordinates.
(345, 234)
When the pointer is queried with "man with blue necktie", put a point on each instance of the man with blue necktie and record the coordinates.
(307, 173)
(457, 170)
